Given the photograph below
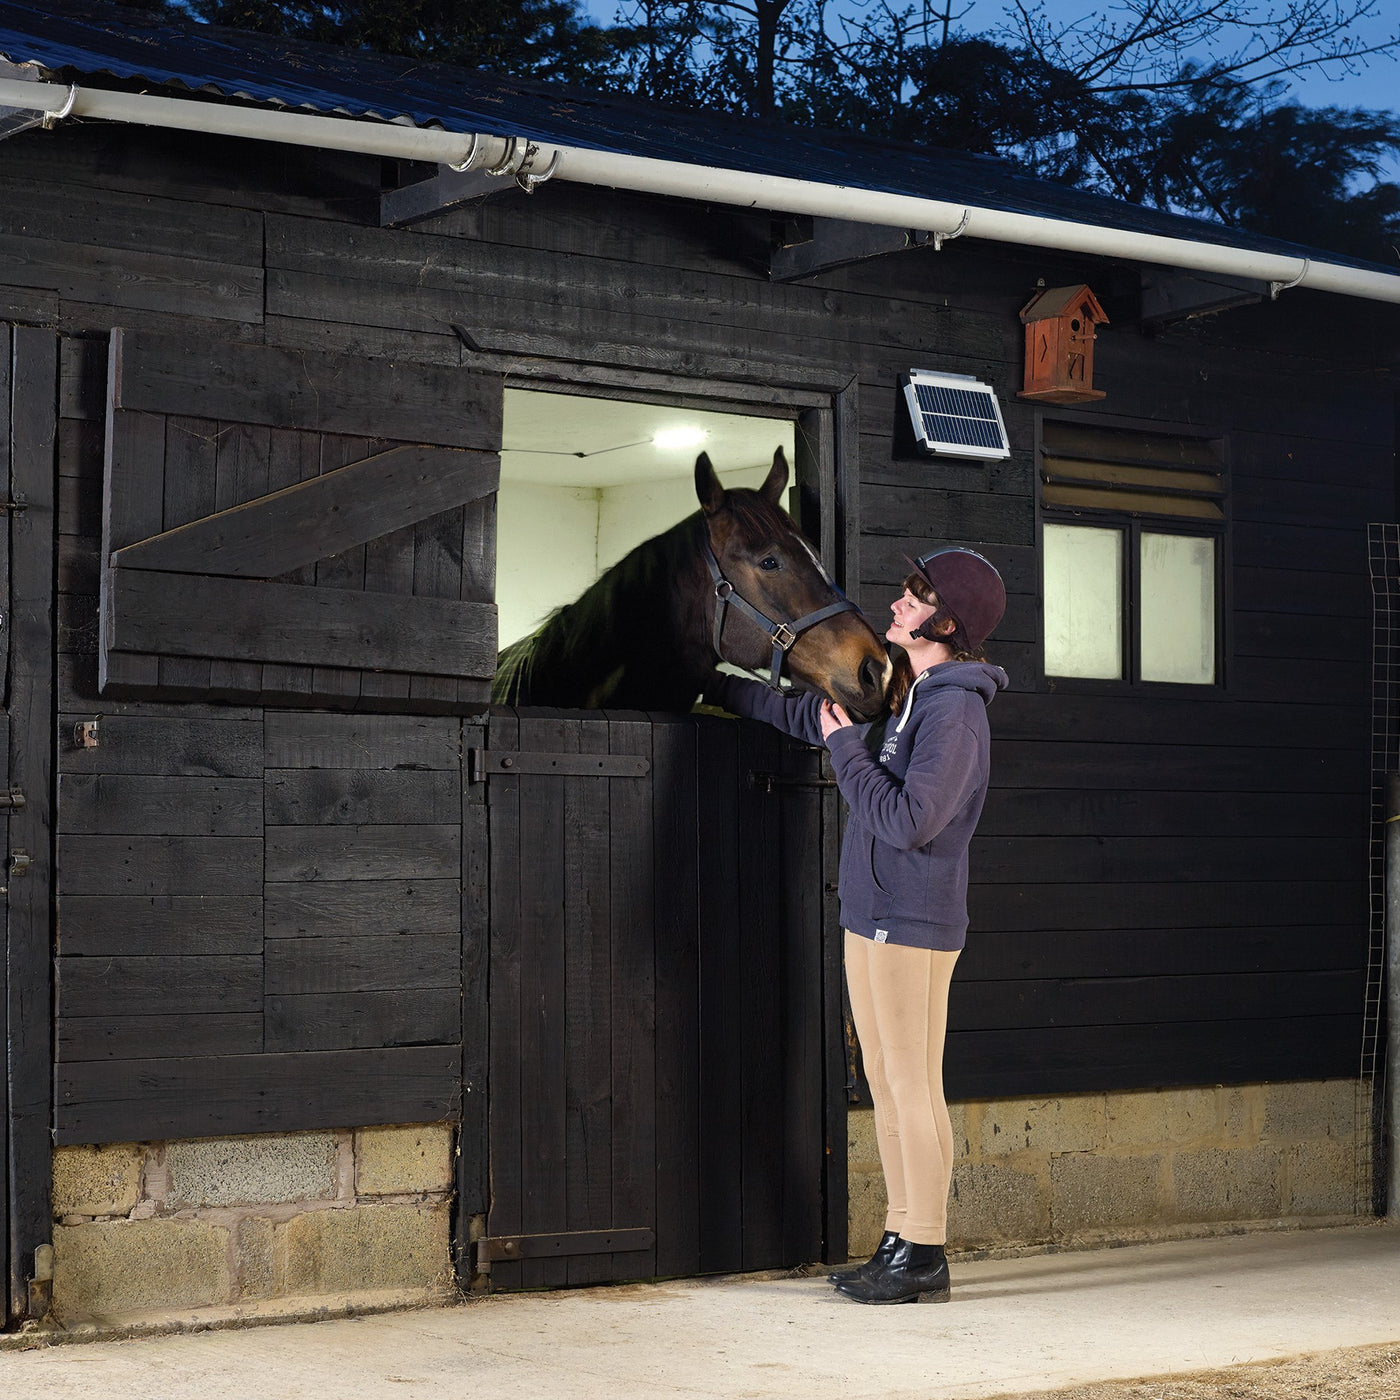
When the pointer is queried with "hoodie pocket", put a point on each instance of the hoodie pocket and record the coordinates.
(898, 877)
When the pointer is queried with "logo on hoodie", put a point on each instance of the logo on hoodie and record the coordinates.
(889, 746)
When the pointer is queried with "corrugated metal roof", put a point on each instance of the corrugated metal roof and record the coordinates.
(89, 41)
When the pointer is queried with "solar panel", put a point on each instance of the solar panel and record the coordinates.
(955, 415)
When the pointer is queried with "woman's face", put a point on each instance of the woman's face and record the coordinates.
(909, 612)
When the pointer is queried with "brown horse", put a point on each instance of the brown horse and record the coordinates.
(733, 582)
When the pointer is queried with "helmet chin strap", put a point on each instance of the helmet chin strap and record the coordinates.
(925, 632)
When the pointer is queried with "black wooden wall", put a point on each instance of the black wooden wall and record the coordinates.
(1167, 890)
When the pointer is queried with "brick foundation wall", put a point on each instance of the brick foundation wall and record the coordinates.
(334, 1218)
(1095, 1168)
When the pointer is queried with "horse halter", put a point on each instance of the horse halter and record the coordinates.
(783, 635)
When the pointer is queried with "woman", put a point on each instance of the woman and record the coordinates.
(915, 785)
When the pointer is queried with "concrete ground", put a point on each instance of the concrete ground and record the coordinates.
(1012, 1326)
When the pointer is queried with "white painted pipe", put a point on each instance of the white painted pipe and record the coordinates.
(255, 123)
(718, 185)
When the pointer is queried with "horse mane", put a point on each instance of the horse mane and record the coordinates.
(579, 656)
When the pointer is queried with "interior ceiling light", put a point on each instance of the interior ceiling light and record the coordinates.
(679, 437)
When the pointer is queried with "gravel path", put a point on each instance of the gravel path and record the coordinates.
(1358, 1373)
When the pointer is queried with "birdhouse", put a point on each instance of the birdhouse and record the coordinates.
(1060, 325)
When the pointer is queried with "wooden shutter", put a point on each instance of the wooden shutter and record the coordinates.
(287, 527)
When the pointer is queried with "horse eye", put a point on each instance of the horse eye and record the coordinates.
(769, 563)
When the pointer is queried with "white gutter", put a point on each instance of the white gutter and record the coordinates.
(531, 164)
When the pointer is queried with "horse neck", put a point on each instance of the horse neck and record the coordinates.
(657, 589)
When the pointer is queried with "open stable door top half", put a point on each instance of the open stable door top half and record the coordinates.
(290, 527)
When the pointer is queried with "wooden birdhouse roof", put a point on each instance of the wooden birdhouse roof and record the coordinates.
(1058, 301)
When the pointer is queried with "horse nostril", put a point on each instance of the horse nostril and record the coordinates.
(870, 675)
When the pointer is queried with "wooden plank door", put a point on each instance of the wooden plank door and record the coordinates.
(28, 412)
(287, 527)
(657, 1021)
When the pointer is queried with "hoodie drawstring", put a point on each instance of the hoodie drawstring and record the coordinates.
(909, 702)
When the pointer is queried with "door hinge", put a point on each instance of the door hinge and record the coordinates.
(507, 763)
(558, 1246)
(20, 861)
(14, 799)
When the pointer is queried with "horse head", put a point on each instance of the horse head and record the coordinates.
(768, 574)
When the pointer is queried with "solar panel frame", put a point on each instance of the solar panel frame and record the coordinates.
(955, 415)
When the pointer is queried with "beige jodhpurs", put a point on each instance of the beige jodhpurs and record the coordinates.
(899, 997)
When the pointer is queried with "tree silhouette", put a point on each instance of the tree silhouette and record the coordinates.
(1113, 101)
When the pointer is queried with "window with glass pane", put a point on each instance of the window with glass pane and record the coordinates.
(1134, 525)
(1083, 592)
(1176, 588)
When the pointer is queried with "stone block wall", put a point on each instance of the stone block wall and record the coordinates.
(1096, 1168)
(337, 1220)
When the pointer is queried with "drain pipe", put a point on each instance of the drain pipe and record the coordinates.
(373, 138)
(1392, 979)
(530, 163)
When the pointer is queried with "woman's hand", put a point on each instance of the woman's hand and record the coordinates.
(833, 717)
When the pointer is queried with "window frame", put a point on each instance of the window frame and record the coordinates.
(1132, 525)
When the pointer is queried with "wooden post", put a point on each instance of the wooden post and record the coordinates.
(29, 858)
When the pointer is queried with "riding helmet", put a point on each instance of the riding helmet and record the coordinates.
(969, 587)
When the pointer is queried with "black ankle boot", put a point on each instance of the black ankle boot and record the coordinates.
(889, 1241)
(915, 1273)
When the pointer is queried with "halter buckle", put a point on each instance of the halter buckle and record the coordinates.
(784, 636)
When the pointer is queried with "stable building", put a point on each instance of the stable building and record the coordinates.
(327, 985)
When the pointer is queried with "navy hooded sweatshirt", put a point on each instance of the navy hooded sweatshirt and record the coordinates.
(915, 785)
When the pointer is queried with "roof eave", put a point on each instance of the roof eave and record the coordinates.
(529, 164)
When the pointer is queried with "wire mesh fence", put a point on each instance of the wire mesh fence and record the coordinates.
(1383, 545)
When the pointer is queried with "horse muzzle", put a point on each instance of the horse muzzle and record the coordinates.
(855, 672)
(865, 700)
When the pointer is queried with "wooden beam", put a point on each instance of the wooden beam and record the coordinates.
(308, 389)
(473, 1157)
(32, 744)
(316, 519)
(243, 620)
(132, 1100)
(837, 242)
(1169, 296)
(446, 190)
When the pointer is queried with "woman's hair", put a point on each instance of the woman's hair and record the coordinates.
(956, 641)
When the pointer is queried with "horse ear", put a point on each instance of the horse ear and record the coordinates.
(775, 482)
(707, 484)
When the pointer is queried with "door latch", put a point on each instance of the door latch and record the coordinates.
(85, 734)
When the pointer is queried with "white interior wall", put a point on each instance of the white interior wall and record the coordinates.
(546, 551)
(629, 514)
(553, 541)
